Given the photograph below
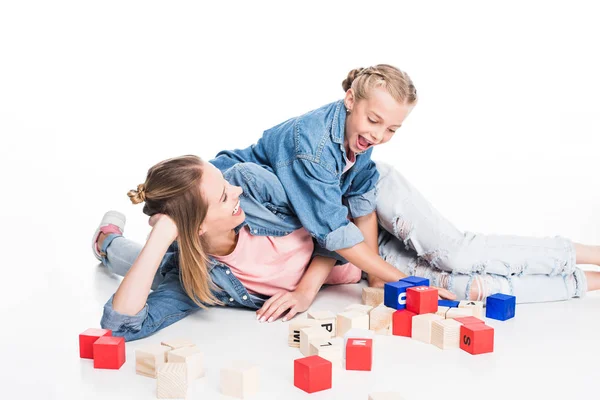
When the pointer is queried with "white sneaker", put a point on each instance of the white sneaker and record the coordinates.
(111, 217)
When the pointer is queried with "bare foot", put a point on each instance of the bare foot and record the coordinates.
(100, 240)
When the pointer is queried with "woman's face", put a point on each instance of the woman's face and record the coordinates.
(224, 211)
(372, 121)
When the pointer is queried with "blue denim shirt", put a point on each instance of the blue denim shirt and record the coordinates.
(308, 156)
(268, 213)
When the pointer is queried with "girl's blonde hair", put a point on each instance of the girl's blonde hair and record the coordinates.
(172, 187)
(397, 83)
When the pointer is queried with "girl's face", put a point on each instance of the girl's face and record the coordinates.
(224, 211)
(372, 121)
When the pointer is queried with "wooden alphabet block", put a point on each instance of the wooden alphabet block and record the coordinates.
(422, 299)
(416, 281)
(192, 357)
(385, 396)
(442, 311)
(329, 349)
(500, 306)
(402, 323)
(294, 329)
(380, 318)
(109, 352)
(240, 380)
(459, 312)
(363, 308)
(470, 320)
(351, 319)
(448, 303)
(477, 338)
(477, 307)
(177, 343)
(445, 334)
(87, 339)
(357, 333)
(421, 326)
(172, 381)
(395, 294)
(359, 354)
(312, 374)
(326, 319)
(372, 296)
(309, 334)
(149, 359)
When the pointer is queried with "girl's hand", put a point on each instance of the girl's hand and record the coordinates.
(446, 294)
(164, 224)
(282, 301)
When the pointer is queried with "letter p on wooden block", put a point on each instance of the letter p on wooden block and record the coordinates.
(87, 339)
(500, 306)
(477, 338)
(359, 354)
(312, 374)
(422, 300)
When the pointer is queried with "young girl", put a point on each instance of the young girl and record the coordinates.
(215, 240)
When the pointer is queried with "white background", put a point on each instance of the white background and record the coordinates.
(505, 139)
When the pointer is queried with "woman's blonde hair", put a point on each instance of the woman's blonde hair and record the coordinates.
(397, 83)
(172, 187)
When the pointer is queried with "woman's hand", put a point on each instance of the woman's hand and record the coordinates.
(163, 224)
(445, 294)
(280, 302)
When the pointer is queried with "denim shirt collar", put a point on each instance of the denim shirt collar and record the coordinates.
(338, 125)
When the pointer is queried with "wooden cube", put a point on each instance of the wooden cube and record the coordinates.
(87, 339)
(459, 312)
(309, 334)
(240, 380)
(477, 338)
(448, 303)
(294, 329)
(326, 319)
(177, 343)
(372, 296)
(149, 359)
(469, 320)
(380, 318)
(172, 381)
(351, 319)
(445, 334)
(395, 294)
(359, 354)
(416, 281)
(500, 306)
(312, 374)
(329, 349)
(421, 326)
(363, 308)
(357, 333)
(442, 311)
(109, 352)
(477, 307)
(422, 299)
(385, 396)
(402, 323)
(192, 357)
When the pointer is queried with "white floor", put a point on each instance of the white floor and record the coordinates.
(547, 351)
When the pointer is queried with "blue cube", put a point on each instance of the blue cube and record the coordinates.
(416, 281)
(448, 303)
(394, 294)
(500, 306)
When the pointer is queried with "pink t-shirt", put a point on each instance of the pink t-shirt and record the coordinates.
(268, 264)
(349, 162)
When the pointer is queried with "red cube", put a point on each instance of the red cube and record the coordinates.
(402, 323)
(87, 339)
(312, 374)
(422, 300)
(109, 352)
(477, 338)
(359, 354)
(469, 320)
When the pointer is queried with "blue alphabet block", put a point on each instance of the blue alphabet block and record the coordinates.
(448, 303)
(416, 281)
(500, 306)
(394, 294)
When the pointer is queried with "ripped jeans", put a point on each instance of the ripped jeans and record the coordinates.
(419, 241)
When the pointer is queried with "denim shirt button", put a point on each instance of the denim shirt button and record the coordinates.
(245, 297)
(256, 231)
(227, 272)
(231, 299)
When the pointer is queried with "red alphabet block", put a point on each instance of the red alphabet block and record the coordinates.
(87, 339)
(109, 352)
(469, 320)
(359, 354)
(312, 374)
(477, 338)
(402, 323)
(422, 300)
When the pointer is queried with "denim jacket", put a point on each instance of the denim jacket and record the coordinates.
(307, 154)
(268, 213)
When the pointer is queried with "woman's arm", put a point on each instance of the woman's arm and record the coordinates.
(300, 299)
(133, 292)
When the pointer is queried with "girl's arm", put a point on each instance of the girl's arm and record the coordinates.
(133, 292)
(369, 228)
(300, 299)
